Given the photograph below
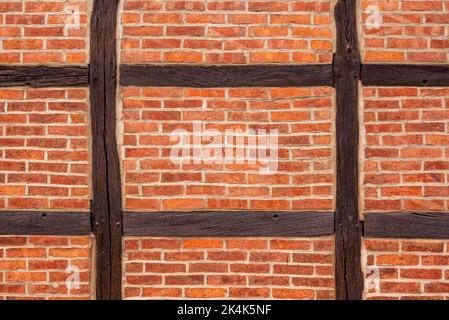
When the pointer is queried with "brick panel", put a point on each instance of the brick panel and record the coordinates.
(224, 32)
(173, 268)
(44, 32)
(405, 31)
(44, 158)
(406, 269)
(302, 180)
(406, 154)
(45, 268)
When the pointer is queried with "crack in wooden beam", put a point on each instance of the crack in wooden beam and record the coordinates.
(106, 185)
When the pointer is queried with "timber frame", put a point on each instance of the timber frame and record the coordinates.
(109, 223)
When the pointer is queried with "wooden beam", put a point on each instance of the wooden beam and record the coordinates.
(41, 76)
(228, 224)
(106, 204)
(424, 225)
(226, 76)
(348, 231)
(405, 75)
(44, 223)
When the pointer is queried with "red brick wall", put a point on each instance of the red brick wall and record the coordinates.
(44, 158)
(44, 32)
(409, 31)
(405, 160)
(406, 269)
(156, 268)
(303, 179)
(45, 143)
(199, 31)
(38, 267)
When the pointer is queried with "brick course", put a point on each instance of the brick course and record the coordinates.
(45, 161)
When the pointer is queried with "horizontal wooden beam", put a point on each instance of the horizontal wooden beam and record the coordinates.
(44, 223)
(226, 76)
(426, 225)
(405, 75)
(228, 224)
(42, 76)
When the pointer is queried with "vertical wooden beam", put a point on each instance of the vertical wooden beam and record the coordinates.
(348, 231)
(106, 203)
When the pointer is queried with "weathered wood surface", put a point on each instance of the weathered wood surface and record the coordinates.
(229, 224)
(226, 76)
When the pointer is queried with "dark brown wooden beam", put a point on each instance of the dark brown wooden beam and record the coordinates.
(106, 204)
(348, 231)
(229, 224)
(425, 225)
(402, 75)
(226, 76)
(44, 223)
(42, 76)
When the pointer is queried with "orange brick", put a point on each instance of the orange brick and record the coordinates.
(202, 244)
(205, 293)
(396, 259)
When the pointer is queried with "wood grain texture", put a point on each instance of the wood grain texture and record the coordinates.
(41, 76)
(424, 225)
(348, 231)
(106, 204)
(405, 75)
(229, 224)
(44, 223)
(226, 76)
